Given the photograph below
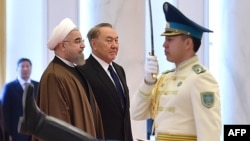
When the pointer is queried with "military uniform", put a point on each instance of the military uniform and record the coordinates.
(185, 101)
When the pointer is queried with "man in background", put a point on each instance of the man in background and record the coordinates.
(12, 99)
(3, 136)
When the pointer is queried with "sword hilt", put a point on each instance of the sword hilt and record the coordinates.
(153, 74)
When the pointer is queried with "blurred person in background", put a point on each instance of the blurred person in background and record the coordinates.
(12, 99)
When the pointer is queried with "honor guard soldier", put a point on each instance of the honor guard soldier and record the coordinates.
(184, 102)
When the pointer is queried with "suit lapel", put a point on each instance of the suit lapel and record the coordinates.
(18, 87)
(102, 76)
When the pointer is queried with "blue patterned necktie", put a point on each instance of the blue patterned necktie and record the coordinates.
(117, 84)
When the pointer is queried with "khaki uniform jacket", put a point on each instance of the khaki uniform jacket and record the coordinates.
(62, 95)
(184, 101)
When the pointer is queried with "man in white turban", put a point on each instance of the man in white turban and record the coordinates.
(63, 90)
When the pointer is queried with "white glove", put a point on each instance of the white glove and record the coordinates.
(151, 70)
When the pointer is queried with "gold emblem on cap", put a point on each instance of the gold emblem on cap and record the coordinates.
(166, 7)
(167, 25)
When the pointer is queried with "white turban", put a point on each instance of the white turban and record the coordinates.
(60, 32)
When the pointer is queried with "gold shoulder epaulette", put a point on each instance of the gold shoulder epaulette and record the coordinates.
(167, 71)
(198, 69)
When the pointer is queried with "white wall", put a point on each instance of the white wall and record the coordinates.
(26, 35)
(29, 24)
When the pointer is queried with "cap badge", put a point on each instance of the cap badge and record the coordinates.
(167, 25)
(166, 7)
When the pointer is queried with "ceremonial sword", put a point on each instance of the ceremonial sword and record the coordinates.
(152, 53)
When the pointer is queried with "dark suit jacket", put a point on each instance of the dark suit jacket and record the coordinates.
(12, 108)
(116, 121)
(2, 132)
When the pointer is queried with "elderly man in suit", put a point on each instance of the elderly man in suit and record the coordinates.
(108, 81)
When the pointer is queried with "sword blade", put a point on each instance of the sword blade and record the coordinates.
(151, 28)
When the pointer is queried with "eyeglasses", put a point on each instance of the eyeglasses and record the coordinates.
(76, 41)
